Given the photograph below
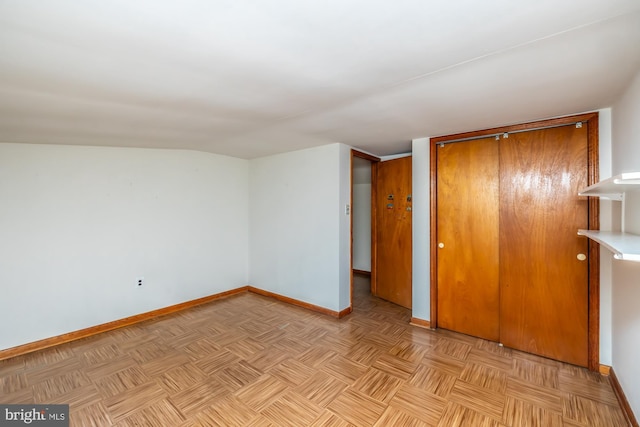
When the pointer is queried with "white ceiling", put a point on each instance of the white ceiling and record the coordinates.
(252, 78)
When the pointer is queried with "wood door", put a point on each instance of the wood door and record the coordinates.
(544, 284)
(468, 238)
(393, 231)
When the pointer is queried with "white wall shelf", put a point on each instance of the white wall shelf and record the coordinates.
(625, 246)
(613, 188)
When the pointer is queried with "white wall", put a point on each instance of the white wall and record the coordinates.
(625, 274)
(344, 220)
(362, 227)
(297, 225)
(79, 224)
(420, 193)
(606, 218)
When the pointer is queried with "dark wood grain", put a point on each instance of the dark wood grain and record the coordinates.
(109, 326)
(594, 248)
(433, 235)
(393, 222)
(138, 318)
(421, 323)
(590, 121)
(558, 121)
(252, 361)
(299, 303)
(544, 287)
(468, 228)
(374, 226)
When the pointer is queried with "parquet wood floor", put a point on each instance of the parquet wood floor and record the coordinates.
(249, 360)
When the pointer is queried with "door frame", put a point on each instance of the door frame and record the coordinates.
(591, 121)
(374, 246)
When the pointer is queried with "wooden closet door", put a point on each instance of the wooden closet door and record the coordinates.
(468, 237)
(393, 231)
(544, 284)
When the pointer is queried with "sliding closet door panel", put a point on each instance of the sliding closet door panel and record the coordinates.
(468, 237)
(543, 277)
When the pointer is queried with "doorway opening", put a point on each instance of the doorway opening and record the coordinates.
(363, 243)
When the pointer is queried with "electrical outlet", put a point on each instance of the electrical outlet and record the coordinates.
(139, 281)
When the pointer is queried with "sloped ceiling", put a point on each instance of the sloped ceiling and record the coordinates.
(253, 78)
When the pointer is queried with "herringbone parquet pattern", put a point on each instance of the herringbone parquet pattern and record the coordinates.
(252, 361)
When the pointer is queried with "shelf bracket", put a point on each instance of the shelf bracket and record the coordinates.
(613, 196)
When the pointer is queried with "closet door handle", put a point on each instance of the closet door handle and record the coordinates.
(581, 257)
(441, 245)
